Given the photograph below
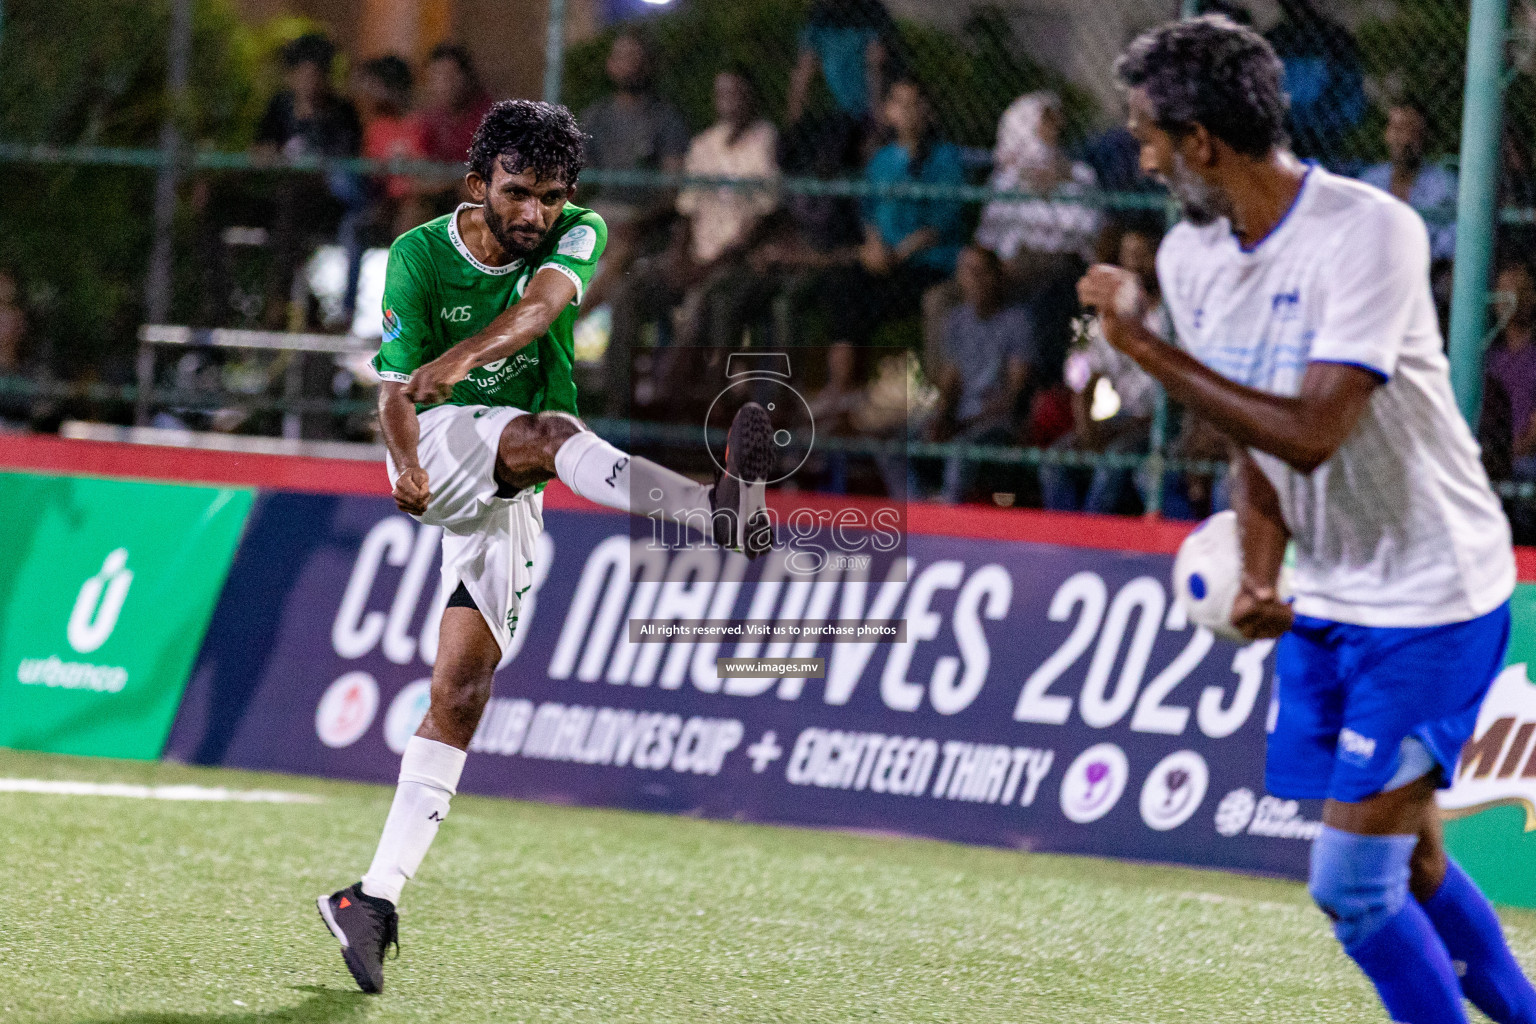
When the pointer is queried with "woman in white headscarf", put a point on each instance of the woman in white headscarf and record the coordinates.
(1029, 158)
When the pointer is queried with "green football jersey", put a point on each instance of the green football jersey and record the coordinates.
(436, 294)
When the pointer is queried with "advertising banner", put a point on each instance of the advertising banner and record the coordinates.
(1043, 697)
(108, 588)
(1492, 805)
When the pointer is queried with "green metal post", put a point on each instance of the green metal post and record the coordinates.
(554, 51)
(1477, 204)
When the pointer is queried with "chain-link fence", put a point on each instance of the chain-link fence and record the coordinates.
(743, 156)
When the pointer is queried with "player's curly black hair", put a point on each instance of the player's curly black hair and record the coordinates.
(529, 135)
(1214, 72)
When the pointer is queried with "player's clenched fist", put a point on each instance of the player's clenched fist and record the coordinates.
(1115, 292)
(433, 382)
(411, 493)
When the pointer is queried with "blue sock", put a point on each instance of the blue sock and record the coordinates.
(1410, 968)
(1361, 882)
(1470, 930)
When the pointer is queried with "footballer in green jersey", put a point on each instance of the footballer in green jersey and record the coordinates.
(437, 293)
(478, 410)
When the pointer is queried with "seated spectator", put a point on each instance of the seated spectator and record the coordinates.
(1045, 243)
(909, 245)
(1428, 187)
(851, 43)
(706, 260)
(631, 129)
(1029, 158)
(985, 354)
(455, 102)
(392, 132)
(308, 119)
(1122, 429)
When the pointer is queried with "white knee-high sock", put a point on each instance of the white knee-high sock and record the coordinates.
(599, 472)
(429, 776)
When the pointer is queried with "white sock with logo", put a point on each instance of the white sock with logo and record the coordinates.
(601, 473)
(429, 776)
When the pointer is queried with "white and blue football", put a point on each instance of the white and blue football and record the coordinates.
(1208, 572)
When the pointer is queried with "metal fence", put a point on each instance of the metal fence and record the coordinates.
(129, 193)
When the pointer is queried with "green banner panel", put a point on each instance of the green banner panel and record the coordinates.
(106, 587)
(1491, 808)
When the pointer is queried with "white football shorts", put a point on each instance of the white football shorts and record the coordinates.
(489, 541)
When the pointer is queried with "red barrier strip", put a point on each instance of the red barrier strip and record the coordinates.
(343, 476)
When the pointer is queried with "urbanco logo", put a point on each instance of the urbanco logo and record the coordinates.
(100, 602)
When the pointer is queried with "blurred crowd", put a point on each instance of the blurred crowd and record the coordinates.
(935, 320)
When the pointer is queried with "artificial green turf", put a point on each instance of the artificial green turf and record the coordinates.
(152, 912)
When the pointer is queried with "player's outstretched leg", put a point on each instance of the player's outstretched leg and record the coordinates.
(1467, 924)
(733, 512)
(362, 916)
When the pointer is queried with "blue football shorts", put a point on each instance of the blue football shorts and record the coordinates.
(1347, 697)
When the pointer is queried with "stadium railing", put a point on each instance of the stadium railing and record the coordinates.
(1385, 51)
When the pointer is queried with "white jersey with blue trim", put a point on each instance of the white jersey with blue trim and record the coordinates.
(1400, 526)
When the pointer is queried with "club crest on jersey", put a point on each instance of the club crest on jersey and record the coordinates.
(578, 243)
(393, 328)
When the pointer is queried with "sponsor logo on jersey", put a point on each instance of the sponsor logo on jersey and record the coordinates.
(578, 243)
(500, 370)
(456, 315)
(393, 328)
(1174, 790)
(346, 710)
(1092, 785)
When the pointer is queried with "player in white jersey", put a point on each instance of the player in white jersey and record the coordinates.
(1302, 303)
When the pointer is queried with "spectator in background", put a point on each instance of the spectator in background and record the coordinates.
(631, 129)
(851, 44)
(909, 245)
(1427, 187)
(985, 352)
(706, 258)
(1029, 158)
(724, 224)
(392, 132)
(454, 104)
(1322, 77)
(1113, 402)
(308, 119)
(1045, 243)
